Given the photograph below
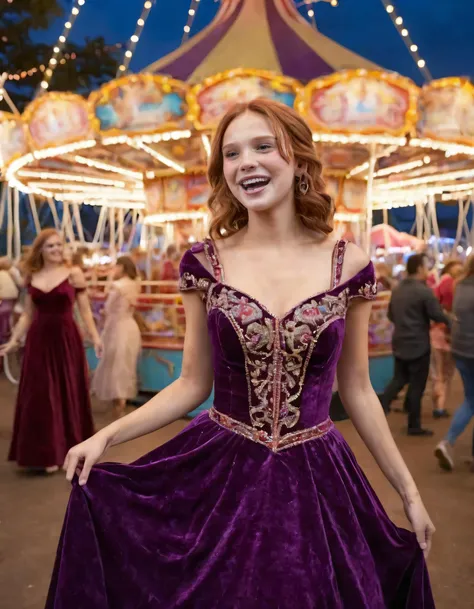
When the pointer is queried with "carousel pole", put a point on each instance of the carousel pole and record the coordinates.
(54, 213)
(112, 237)
(434, 223)
(368, 200)
(9, 222)
(121, 226)
(16, 224)
(419, 220)
(34, 213)
(77, 217)
(3, 201)
(100, 224)
(460, 226)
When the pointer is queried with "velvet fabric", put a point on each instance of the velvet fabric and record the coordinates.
(257, 504)
(53, 407)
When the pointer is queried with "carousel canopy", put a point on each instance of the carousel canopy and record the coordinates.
(259, 34)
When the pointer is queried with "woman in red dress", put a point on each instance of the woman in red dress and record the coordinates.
(53, 407)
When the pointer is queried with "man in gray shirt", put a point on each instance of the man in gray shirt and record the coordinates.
(412, 308)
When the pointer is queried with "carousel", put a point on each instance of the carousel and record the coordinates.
(137, 148)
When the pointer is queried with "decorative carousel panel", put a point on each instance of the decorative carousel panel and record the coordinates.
(198, 192)
(56, 119)
(142, 103)
(210, 100)
(362, 102)
(13, 141)
(446, 110)
(154, 196)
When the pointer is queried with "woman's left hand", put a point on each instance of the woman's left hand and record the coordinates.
(98, 348)
(421, 523)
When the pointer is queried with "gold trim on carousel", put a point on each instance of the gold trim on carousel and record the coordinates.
(163, 82)
(194, 112)
(303, 99)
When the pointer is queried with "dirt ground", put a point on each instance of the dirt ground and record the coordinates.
(32, 508)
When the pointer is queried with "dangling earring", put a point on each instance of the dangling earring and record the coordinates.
(303, 185)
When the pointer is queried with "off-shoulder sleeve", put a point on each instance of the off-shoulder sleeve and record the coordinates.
(192, 274)
(364, 284)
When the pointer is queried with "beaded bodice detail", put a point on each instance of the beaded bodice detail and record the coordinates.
(273, 375)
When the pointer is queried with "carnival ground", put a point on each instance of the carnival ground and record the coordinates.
(32, 507)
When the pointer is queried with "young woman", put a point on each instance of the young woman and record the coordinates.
(116, 375)
(462, 346)
(53, 408)
(443, 367)
(259, 503)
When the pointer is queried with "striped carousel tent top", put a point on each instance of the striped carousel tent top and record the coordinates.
(259, 34)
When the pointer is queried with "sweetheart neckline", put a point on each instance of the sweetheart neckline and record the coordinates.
(294, 307)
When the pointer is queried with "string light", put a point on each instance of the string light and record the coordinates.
(50, 175)
(413, 48)
(191, 16)
(158, 156)
(137, 175)
(453, 175)
(175, 217)
(123, 67)
(53, 62)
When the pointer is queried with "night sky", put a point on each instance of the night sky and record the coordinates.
(442, 29)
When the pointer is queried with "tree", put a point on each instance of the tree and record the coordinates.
(82, 68)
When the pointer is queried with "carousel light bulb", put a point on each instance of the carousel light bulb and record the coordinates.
(122, 68)
(53, 61)
(311, 13)
(147, 5)
(44, 84)
(399, 20)
(128, 53)
(187, 29)
(426, 159)
(49, 72)
(75, 11)
(134, 38)
(56, 49)
(334, 2)
(62, 39)
(141, 22)
(191, 12)
(81, 2)
(68, 25)
(421, 63)
(389, 9)
(413, 48)
(404, 32)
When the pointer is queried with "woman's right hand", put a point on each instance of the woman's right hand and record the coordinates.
(8, 348)
(83, 456)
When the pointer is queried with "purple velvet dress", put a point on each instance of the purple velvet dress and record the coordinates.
(259, 503)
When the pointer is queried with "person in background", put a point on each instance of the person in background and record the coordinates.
(462, 347)
(170, 266)
(412, 308)
(116, 375)
(385, 282)
(53, 406)
(442, 363)
(8, 296)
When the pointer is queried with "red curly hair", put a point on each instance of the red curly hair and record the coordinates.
(34, 260)
(295, 142)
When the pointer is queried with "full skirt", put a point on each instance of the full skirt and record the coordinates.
(53, 410)
(212, 520)
(116, 373)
